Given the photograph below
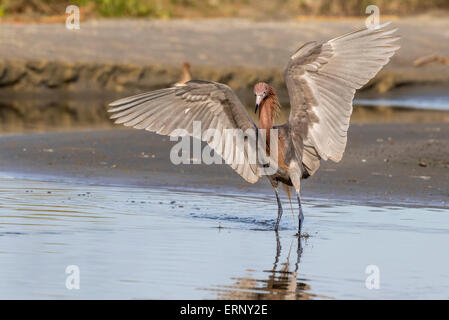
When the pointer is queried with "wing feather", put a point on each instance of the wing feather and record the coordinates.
(321, 81)
(215, 105)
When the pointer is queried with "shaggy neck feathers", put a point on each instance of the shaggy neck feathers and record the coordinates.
(269, 110)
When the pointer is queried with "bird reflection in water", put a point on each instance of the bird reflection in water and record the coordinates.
(282, 282)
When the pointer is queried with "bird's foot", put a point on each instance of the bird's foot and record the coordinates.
(304, 235)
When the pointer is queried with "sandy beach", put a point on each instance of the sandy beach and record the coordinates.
(383, 163)
(132, 55)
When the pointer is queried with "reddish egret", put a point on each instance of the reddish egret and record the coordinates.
(186, 75)
(321, 80)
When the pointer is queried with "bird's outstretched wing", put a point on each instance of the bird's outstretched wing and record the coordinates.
(215, 105)
(321, 81)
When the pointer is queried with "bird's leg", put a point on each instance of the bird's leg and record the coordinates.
(276, 227)
(300, 215)
(295, 175)
(275, 185)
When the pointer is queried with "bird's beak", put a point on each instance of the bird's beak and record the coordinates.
(258, 100)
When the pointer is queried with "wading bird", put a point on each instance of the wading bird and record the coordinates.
(186, 74)
(321, 80)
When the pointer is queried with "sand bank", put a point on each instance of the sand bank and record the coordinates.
(132, 55)
(383, 163)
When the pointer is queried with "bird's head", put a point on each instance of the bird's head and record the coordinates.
(186, 66)
(261, 91)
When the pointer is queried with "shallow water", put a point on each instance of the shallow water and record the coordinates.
(31, 113)
(137, 243)
(434, 97)
(416, 102)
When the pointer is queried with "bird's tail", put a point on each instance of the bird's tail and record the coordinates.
(288, 191)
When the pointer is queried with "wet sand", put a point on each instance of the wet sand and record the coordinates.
(133, 55)
(384, 163)
(213, 42)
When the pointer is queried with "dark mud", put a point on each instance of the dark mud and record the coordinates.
(383, 163)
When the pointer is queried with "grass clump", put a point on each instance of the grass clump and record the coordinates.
(257, 9)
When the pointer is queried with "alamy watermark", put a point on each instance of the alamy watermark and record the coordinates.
(234, 146)
(373, 19)
(73, 279)
(373, 279)
(72, 22)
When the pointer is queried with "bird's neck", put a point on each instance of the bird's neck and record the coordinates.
(269, 110)
(186, 75)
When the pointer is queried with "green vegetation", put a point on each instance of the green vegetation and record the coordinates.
(258, 9)
(2, 10)
(131, 8)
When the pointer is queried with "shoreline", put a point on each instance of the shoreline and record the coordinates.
(33, 76)
(234, 51)
(262, 191)
(62, 113)
(381, 164)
